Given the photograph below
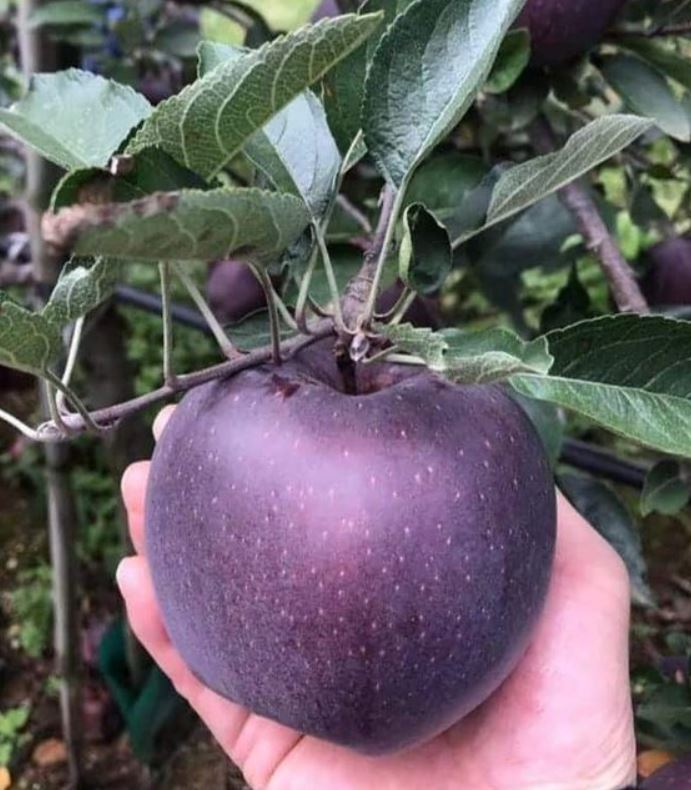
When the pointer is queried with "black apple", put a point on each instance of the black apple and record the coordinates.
(233, 291)
(364, 568)
(674, 776)
(423, 311)
(14, 380)
(326, 10)
(668, 280)
(561, 30)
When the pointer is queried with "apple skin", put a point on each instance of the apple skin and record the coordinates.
(14, 380)
(668, 280)
(561, 30)
(674, 776)
(366, 569)
(233, 291)
(327, 10)
(424, 311)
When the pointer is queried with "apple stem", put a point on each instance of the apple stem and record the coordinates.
(218, 332)
(22, 427)
(69, 394)
(398, 311)
(168, 368)
(331, 278)
(274, 320)
(354, 213)
(74, 344)
(303, 295)
(285, 314)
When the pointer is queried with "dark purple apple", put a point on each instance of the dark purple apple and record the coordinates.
(673, 776)
(327, 10)
(363, 568)
(561, 30)
(668, 280)
(423, 311)
(233, 291)
(14, 380)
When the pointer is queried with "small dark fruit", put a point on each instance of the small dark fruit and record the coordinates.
(363, 568)
(326, 10)
(668, 279)
(14, 380)
(423, 311)
(561, 30)
(233, 291)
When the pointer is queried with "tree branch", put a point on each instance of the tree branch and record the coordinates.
(358, 290)
(682, 29)
(354, 213)
(621, 278)
(49, 432)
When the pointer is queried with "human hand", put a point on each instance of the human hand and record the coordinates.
(562, 720)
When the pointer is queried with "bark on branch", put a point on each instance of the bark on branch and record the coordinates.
(620, 276)
(112, 415)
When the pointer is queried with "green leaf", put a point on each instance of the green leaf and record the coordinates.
(443, 182)
(548, 421)
(513, 57)
(66, 13)
(212, 54)
(472, 357)
(667, 489)
(28, 341)
(426, 72)
(151, 171)
(602, 508)
(255, 332)
(179, 38)
(298, 155)
(210, 121)
(646, 91)
(355, 154)
(526, 184)
(425, 255)
(572, 305)
(75, 119)
(191, 225)
(83, 285)
(344, 86)
(631, 374)
(663, 716)
(674, 65)
(295, 150)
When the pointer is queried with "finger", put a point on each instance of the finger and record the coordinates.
(581, 551)
(133, 486)
(225, 719)
(162, 420)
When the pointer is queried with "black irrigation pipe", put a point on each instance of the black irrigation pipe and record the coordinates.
(603, 463)
(576, 453)
(151, 303)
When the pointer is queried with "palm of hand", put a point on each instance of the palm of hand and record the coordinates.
(562, 720)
